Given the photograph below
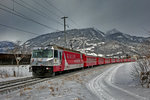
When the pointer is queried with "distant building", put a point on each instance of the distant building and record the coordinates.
(9, 59)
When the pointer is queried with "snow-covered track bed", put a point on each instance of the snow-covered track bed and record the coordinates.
(14, 81)
(12, 85)
(8, 86)
(66, 86)
(19, 84)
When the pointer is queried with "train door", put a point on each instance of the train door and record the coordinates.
(60, 56)
(57, 57)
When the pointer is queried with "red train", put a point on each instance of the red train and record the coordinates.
(46, 61)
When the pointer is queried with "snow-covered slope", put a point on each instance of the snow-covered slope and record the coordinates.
(5, 46)
(74, 35)
(114, 34)
(92, 41)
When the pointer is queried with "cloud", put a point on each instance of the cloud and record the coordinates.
(129, 16)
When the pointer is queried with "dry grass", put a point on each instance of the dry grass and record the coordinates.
(52, 92)
(51, 89)
(21, 92)
(27, 88)
(57, 89)
(6, 75)
(49, 82)
(77, 77)
(42, 87)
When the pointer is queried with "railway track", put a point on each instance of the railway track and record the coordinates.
(14, 81)
(19, 83)
(12, 85)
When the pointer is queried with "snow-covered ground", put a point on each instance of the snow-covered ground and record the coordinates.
(108, 82)
(116, 84)
(70, 87)
(7, 72)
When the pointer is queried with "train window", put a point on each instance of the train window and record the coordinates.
(60, 55)
(55, 54)
(81, 56)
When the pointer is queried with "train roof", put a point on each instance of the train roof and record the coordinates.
(56, 47)
(66, 49)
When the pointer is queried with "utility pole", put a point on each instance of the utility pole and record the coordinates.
(65, 39)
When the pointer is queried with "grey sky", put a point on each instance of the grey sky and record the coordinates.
(128, 16)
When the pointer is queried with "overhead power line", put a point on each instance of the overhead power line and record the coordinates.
(18, 29)
(24, 17)
(50, 4)
(38, 12)
(45, 8)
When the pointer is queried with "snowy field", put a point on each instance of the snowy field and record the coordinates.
(7, 72)
(108, 82)
(116, 84)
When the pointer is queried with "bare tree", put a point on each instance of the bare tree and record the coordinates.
(19, 52)
(141, 71)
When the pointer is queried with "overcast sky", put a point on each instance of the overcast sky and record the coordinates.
(128, 16)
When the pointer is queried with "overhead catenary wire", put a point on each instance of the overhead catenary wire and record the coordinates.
(13, 5)
(50, 4)
(24, 17)
(48, 9)
(45, 8)
(37, 11)
(11, 27)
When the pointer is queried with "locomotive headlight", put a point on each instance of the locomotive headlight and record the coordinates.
(47, 68)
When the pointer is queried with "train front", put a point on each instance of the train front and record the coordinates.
(42, 62)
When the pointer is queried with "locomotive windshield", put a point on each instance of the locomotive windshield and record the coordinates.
(42, 54)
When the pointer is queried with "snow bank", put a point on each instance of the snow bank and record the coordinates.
(123, 75)
(7, 72)
(117, 84)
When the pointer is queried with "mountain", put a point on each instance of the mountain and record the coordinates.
(92, 41)
(114, 34)
(131, 45)
(5, 46)
(75, 36)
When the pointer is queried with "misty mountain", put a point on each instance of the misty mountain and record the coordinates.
(74, 36)
(5, 46)
(114, 34)
(92, 41)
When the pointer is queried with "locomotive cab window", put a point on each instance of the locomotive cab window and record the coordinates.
(42, 53)
(55, 54)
